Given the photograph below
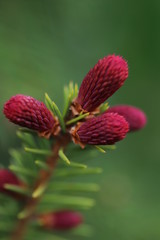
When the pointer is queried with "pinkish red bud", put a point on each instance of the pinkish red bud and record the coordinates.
(135, 117)
(61, 220)
(106, 129)
(107, 76)
(7, 177)
(29, 112)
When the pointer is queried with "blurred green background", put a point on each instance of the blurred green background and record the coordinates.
(44, 45)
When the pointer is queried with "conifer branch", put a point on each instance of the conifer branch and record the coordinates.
(86, 120)
(42, 180)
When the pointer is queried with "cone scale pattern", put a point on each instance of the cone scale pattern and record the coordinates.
(107, 76)
(103, 130)
(29, 112)
(135, 117)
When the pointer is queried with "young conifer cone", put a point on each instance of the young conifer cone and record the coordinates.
(106, 129)
(30, 113)
(135, 117)
(61, 220)
(7, 177)
(105, 78)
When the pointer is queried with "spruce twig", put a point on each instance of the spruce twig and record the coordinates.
(43, 178)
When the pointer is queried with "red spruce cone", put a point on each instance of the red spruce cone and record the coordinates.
(135, 117)
(29, 112)
(61, 220)
(7, 177)
(107, 76)
(106, 129)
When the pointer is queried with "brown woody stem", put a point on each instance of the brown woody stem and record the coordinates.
(43, 178)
